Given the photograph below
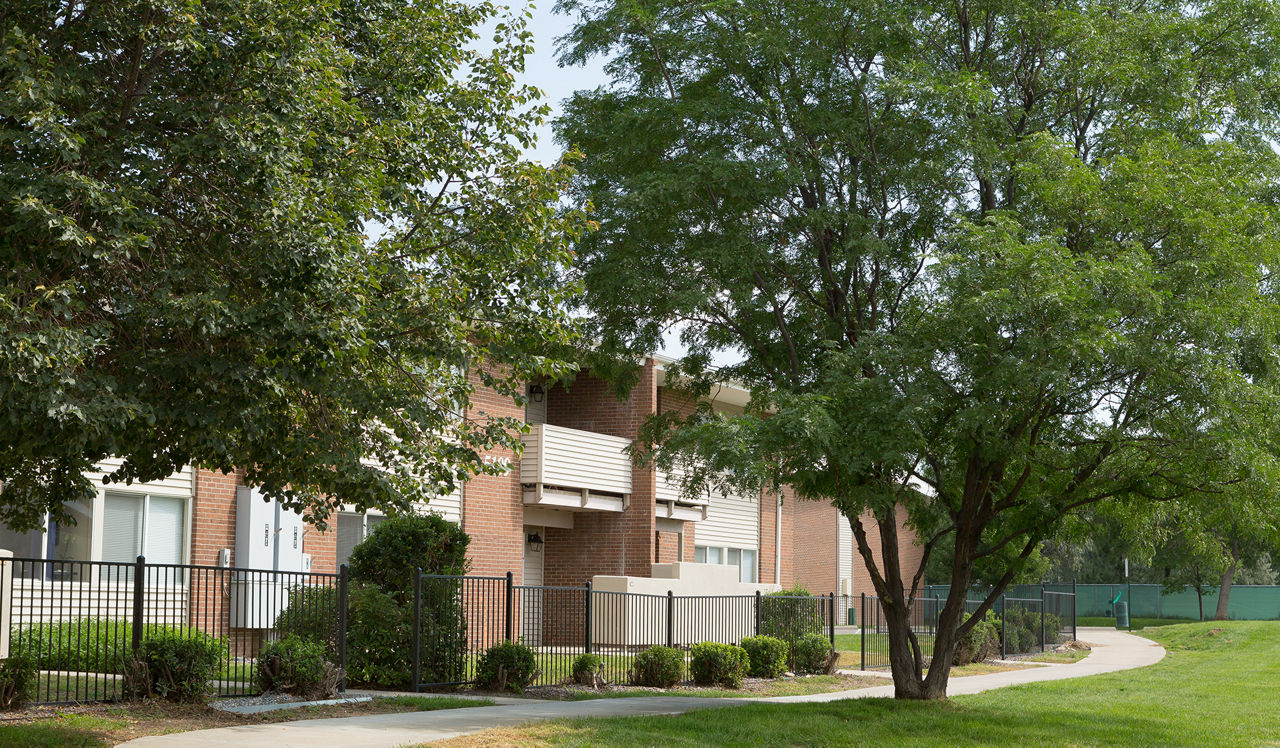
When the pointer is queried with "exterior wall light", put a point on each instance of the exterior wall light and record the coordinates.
(535, 542)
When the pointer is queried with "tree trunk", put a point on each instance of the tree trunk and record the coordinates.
(1224, 586)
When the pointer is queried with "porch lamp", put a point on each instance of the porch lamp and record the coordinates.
(535, 542)
(536, 392)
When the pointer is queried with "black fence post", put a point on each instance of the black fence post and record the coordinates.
(417, 628)
(587, 623)
(511, 604)
(671, 618)
(1075, 611)
(139, 587)
(342, 625)
(757, 612)
(1004, 624)
(831, 622)
(862, 629)
(1042, 640)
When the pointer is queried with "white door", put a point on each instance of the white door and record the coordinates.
(531, 604)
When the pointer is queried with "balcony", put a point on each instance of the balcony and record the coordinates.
(670, 504)
(577, 470)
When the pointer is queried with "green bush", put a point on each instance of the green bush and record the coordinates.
(1022, 629)
(507, 666)
(18, 677)
(715, 664)
(88, 645)
(660, 667)
(790, 615)
(297, 666)
(398, 546)
(173, 666)
(812, 653)
(379, 640)
(588, 670)
(980, 643)
(311, 614)
(767, 656)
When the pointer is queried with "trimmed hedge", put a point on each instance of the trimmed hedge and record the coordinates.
(588, 670)
(400, 545)
(790, 615)
(715, 664)
(296, 666)
(18, 676)
(177, 667)
(767, 656)
(88, 645)
(980, 643)
(507, 666)
(658, 667)
(812, 653)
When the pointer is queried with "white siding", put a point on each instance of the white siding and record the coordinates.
(732, 521)
(110, 597)
(448, 506)
(844, 556)
(569, 458)
(180, 483)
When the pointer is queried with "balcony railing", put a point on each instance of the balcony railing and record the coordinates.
(672, 504)
(573, 469)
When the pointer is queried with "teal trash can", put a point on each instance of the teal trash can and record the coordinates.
(1122, 615)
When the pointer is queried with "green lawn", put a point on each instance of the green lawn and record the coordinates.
(850, 645)
(1218, 686)
(1138, 623)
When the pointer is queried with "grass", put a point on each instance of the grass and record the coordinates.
(97, 725)
(1060, 657)
(1215, 687)
(1138, 623)
(803, 686)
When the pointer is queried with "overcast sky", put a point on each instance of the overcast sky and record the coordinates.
(556, 82)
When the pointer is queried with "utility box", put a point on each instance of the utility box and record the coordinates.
(268, 539)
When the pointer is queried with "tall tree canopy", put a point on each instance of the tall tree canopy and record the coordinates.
(274, 235)
(1005, 250)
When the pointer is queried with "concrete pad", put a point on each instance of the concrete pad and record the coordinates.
(1114, 650)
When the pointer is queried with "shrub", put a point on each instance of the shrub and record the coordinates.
(658, 666)
(379, 640)
(767, 656)
(812, 654)
(588, 670)
(18, 677)
(177, 667)
(507, 666)
(90, 645)
(715, 664)
(790, 615)
(297, 666)
(400, 545)
(982, 642)
(311, 614)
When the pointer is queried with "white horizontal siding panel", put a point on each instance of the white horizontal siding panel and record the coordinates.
(448, 506)
(668, 488)
(180, 483)
(558, 456)
(46, 602)
(844, 553)
(732, 521)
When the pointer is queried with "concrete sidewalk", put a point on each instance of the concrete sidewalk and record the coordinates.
(1114, 650)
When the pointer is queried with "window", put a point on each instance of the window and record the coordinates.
(354, 527)
(743, 558)
(136, 524)
(56, 543)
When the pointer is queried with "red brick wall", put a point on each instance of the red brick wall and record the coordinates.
(815, 546)
(213, 516)
(768, 535)
(492, 513)
(909, 552)
(615, 543)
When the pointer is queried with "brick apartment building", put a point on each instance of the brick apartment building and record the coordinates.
(572, 507)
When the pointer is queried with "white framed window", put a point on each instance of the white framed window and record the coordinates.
(354, 527)
(116, 526)
(743, 558)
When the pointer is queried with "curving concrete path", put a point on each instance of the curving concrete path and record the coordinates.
(1113, 650)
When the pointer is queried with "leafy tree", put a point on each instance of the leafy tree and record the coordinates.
(280, 235)
(1008, 250)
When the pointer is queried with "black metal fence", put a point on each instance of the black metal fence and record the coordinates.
(460, 617)
(81, 621)
(1024, 625)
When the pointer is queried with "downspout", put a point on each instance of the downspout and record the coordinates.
(777, 542)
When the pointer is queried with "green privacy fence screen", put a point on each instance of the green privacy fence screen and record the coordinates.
(1248, 602)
